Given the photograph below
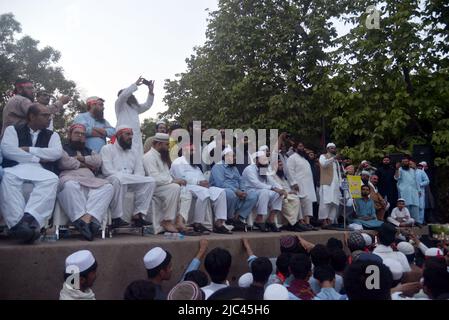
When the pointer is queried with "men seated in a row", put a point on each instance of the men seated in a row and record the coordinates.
(84, 197)
(30, 153)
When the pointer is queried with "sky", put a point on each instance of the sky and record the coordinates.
(107, 44)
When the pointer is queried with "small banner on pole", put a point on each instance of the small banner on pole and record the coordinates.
(355, 184)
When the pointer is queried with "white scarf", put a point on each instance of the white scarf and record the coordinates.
(69, 293)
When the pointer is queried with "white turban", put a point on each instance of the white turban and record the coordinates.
(331, 145)
(226, 151)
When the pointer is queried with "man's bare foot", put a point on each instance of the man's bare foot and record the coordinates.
(169, 227)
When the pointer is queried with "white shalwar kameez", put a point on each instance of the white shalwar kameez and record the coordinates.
(80, 191)
(267, 198)
(45, 183)
(181, 169)
(129, 115)
(123, 170)
(330, 195)
(300, 173)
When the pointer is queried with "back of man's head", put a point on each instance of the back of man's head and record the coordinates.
(387, 234)
(217, 263)
(368, 280)
(197, 276)
(291, 244)
(283, 262)
(320, 255)
(324, 273)
(140, 290)
(300, 266)
(261, 268)
(334, 243)
(339, 260)
(436, 281)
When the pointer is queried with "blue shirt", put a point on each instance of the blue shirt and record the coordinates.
(226, 177)
(329, 294)
(194, 265)
(94, 143)
(366, 209)
(408, 187)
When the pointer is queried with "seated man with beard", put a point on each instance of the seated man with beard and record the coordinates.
(123, 169)
(185, 169)
(84, 198)
(270, 194)
(157, 164)
(291, 205)
(240, 203)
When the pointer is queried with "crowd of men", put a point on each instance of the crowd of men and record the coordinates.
(89, 177)
(406, 269)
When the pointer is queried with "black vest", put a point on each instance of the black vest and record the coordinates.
(72, 152)
(24, 136)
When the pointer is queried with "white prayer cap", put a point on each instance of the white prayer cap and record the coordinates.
(226, 151)
(368, 239)
(401, 199)
(406, 248)
(257, 154)
(161, 137)
(82, 259)
(264, 148)
(434, 252)
(275, 291)
(154, 258)
(160, 122)
(364, 161)
(423, 163)
(395, 268)
(364, 172)
(331, 145)
(246, 280)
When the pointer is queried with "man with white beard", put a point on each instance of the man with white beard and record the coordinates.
(256, 178)
(330, 180)
(122, 167)
(184, 168)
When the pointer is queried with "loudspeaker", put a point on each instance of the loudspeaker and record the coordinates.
(423, 152)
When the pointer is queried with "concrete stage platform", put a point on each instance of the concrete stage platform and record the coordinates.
(36, 271)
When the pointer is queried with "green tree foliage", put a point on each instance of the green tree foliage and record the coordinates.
(22, 58)
(265, 65)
